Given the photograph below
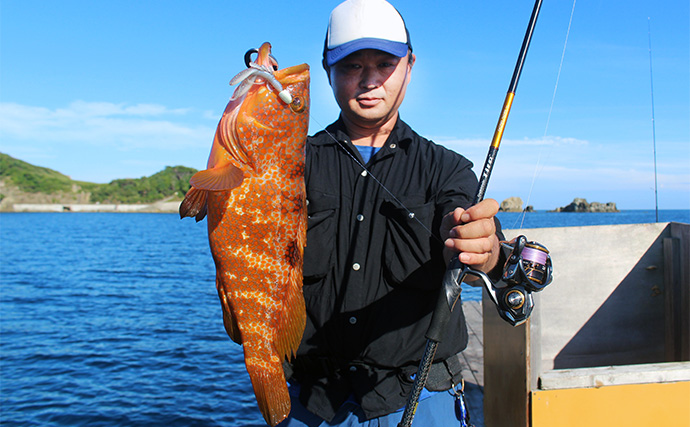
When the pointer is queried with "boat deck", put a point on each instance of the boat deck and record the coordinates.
(473, 371)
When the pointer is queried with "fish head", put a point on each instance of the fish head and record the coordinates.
(265, 124)
(265, 120)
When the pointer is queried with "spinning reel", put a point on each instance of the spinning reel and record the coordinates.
(528, 269)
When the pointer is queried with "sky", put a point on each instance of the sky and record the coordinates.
(101, 90)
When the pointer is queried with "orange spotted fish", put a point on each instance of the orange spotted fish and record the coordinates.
(253, 193)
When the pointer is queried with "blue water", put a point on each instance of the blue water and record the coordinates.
(543, 219)
(113, 320)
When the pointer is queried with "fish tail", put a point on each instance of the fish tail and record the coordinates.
(194, 204)
(265, 366)
(270, 387)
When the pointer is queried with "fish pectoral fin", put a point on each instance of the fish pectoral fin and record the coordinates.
(231, 327)
(194, 204)
(229, 320)
(222, 178)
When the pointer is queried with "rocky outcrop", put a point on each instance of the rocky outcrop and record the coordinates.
(581, 205)
(511, 204)
(514, 204)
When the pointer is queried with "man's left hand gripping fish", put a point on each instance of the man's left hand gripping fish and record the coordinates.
(253, 193)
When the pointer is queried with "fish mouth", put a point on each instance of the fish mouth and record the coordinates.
(292, 74)
(264, 57)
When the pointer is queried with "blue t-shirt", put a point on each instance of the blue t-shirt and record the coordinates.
(367, 152)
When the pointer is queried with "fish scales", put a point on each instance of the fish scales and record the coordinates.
(254, 196)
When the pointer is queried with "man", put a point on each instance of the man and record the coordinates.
(387, 211)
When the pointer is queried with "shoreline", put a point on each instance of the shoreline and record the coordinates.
(173, 207)
(157, 207)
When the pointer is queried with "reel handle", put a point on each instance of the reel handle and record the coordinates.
(452, 287)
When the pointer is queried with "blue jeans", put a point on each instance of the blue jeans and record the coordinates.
(435, 409)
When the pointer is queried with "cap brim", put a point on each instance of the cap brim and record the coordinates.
(394, 48)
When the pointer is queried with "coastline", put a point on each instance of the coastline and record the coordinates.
(167, 206)
(157, 207)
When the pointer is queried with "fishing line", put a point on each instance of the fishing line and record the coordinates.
(560, 67)
(651, 87)
(537, 171)
(411, 215)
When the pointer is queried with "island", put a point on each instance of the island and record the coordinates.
(581, 205)
(514, 204)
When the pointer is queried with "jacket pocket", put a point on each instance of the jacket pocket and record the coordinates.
(321, 230)
(411, 254)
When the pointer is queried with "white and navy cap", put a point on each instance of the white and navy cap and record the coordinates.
(365, 24)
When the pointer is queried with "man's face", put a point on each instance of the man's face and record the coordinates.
(369, 86)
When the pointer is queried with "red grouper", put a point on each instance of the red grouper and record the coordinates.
(253, 193)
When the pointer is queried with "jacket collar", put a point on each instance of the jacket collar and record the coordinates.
(402, 134)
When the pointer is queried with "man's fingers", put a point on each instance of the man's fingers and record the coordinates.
(485, 209)
(449, 221)
(471, 233)
(453, 218)
(474, 230)
(471, 252)
(469, 258)
(479, 246)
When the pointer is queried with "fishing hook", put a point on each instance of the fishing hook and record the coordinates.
(247, 78)
(248, 58)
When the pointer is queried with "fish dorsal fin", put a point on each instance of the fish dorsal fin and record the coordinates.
(221, 178)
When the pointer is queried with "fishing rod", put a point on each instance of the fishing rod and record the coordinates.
(527, 270)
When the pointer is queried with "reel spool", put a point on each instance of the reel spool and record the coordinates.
(528, 269)
(529, 263)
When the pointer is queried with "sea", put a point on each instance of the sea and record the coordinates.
(113, 319)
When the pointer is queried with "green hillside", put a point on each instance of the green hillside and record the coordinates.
(170, 182)
(173, 181)
(32, 179)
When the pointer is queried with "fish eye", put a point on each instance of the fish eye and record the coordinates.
(297, 104)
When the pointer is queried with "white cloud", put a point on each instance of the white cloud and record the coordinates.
(99, 123)
(548, 141)
(104, 109)
(102, 141)
(572, 167)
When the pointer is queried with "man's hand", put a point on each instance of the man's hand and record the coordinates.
(471, 233)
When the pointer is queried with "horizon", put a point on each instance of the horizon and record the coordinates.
(550, 209)
(128, 88)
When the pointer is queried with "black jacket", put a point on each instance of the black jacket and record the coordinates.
(373, 266)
